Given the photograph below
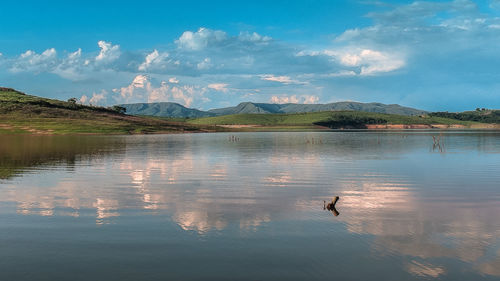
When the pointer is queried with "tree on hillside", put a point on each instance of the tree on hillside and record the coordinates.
(72, 102)
(119, 109)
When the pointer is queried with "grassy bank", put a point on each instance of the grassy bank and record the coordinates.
(332, 119)
(21, 113)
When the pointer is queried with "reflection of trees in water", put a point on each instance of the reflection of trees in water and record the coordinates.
(154, 174)
(21, 153)
(204, 183)
(362, 145)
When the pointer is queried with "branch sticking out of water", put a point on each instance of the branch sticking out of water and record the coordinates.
(331, 206)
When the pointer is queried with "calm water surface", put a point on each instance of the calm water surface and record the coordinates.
(210, 207)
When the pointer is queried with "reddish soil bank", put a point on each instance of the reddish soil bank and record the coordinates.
(414, 126)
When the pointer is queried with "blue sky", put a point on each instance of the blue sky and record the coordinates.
(436, 55)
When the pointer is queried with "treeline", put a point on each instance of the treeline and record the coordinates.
(350, 121)
(483, 116)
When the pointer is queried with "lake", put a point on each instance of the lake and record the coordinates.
(249, 206)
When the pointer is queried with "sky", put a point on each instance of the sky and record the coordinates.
(432, 55)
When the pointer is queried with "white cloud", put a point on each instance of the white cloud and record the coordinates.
(71, 67)
(200, 39)
(83, 99)
(253, 37)
(140, 81)
(221, 87)
(97, 98)
(184, 94)
(31, 61)
(306, 99)
(281, 79)
(154, 60)
(108, 53)
(284, 99)
(145, 89)
(129, 92)
(437, 44)
(310, 99)
(341, 73)
(202, 52)
(370, 62)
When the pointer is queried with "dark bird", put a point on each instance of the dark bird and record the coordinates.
(331, 206)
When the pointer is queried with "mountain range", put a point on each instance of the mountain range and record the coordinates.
(170, 109)
(165, 109)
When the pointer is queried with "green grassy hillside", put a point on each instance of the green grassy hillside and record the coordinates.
(328, 118)
(21, 113)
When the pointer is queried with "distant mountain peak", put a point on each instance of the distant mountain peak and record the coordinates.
(165, 109)
(170, 109)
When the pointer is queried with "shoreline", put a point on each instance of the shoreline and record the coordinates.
(9, 130)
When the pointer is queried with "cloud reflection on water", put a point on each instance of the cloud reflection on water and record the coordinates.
(208, 189)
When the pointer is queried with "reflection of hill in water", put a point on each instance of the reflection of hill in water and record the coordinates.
(204, 183)
(21, 153)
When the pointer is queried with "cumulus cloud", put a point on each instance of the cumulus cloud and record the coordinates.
(154, 60)
(200, 39)
(83, 99)
(108, 53)
(406, 50)
(253, 37)
(98, 98)
(31, 61)
(359, 61)
(145, 89)
(202, 52)
(371, 62)
(306, 99)
(71, 67)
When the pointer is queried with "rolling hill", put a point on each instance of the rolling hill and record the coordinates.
(249, 107)
(22, 113)
(169, 109)
(164, 109)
